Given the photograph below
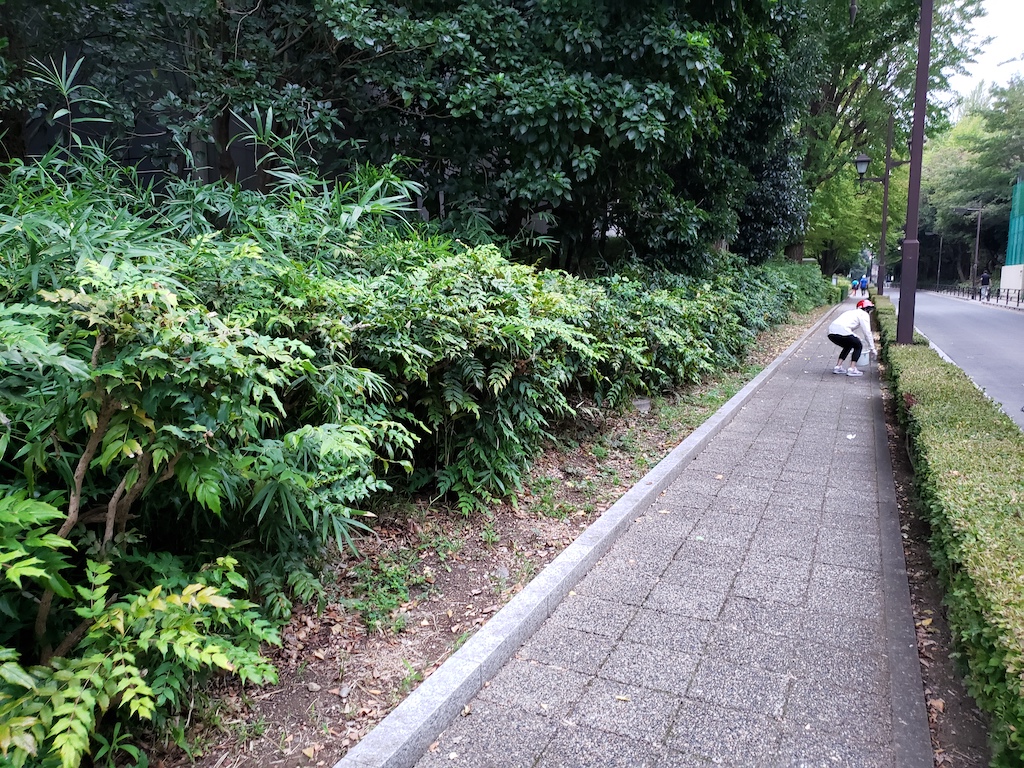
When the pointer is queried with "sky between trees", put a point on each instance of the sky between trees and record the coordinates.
(1002, 57)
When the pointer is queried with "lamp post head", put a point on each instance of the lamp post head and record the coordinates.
(861, 162)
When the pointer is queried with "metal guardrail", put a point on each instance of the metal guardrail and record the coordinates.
(1003, 297)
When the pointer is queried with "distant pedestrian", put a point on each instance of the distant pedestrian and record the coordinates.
(854, 286)
(986, 278)
(843, 333)
(864, 286)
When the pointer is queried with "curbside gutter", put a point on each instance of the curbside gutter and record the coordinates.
(402, 737)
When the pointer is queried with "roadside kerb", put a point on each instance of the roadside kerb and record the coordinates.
(402, 737)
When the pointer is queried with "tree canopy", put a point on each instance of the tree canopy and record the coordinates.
(864, 74)
(975, 165)
(667, 126)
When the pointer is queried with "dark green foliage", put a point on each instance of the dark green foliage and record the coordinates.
(968, 467)
(593, 113)
(775, 211)
(657, 119)
(172, 73)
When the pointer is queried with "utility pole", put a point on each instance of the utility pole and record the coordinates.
(977, 247)
(977, 243)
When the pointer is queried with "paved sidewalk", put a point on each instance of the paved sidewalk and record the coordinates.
(756, 614)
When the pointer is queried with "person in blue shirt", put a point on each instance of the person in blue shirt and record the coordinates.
(864, 285)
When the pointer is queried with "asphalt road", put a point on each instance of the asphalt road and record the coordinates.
(985, 341)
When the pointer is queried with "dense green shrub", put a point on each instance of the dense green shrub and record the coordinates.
(969, 471)
(149, 397)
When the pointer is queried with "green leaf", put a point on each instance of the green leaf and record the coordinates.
(15, 675)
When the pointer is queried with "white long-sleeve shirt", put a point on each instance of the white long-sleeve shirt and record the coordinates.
(854, 321)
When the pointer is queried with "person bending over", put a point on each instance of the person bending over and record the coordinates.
(843, 333)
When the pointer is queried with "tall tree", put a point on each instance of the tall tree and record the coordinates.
(835, 230)
(867, 72)
(975, 165)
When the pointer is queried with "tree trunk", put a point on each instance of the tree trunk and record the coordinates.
(222, 131)
(200, 158)
(795, 252)
(12, 136)
(828, 260)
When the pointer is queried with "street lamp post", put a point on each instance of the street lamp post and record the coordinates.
(977, 244)
(912, 246)
(861, 162)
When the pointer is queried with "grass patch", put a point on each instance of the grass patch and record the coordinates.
(383, 586)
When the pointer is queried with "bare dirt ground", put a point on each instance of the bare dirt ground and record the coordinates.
(432, 577)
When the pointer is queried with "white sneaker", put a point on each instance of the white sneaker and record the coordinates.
(854, 372)
(838, 369)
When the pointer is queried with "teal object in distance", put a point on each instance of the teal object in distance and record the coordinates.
(1015, 246)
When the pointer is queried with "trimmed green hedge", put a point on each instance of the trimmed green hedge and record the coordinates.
(969, 469)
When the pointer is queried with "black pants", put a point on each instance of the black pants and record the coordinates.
(847, 343)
